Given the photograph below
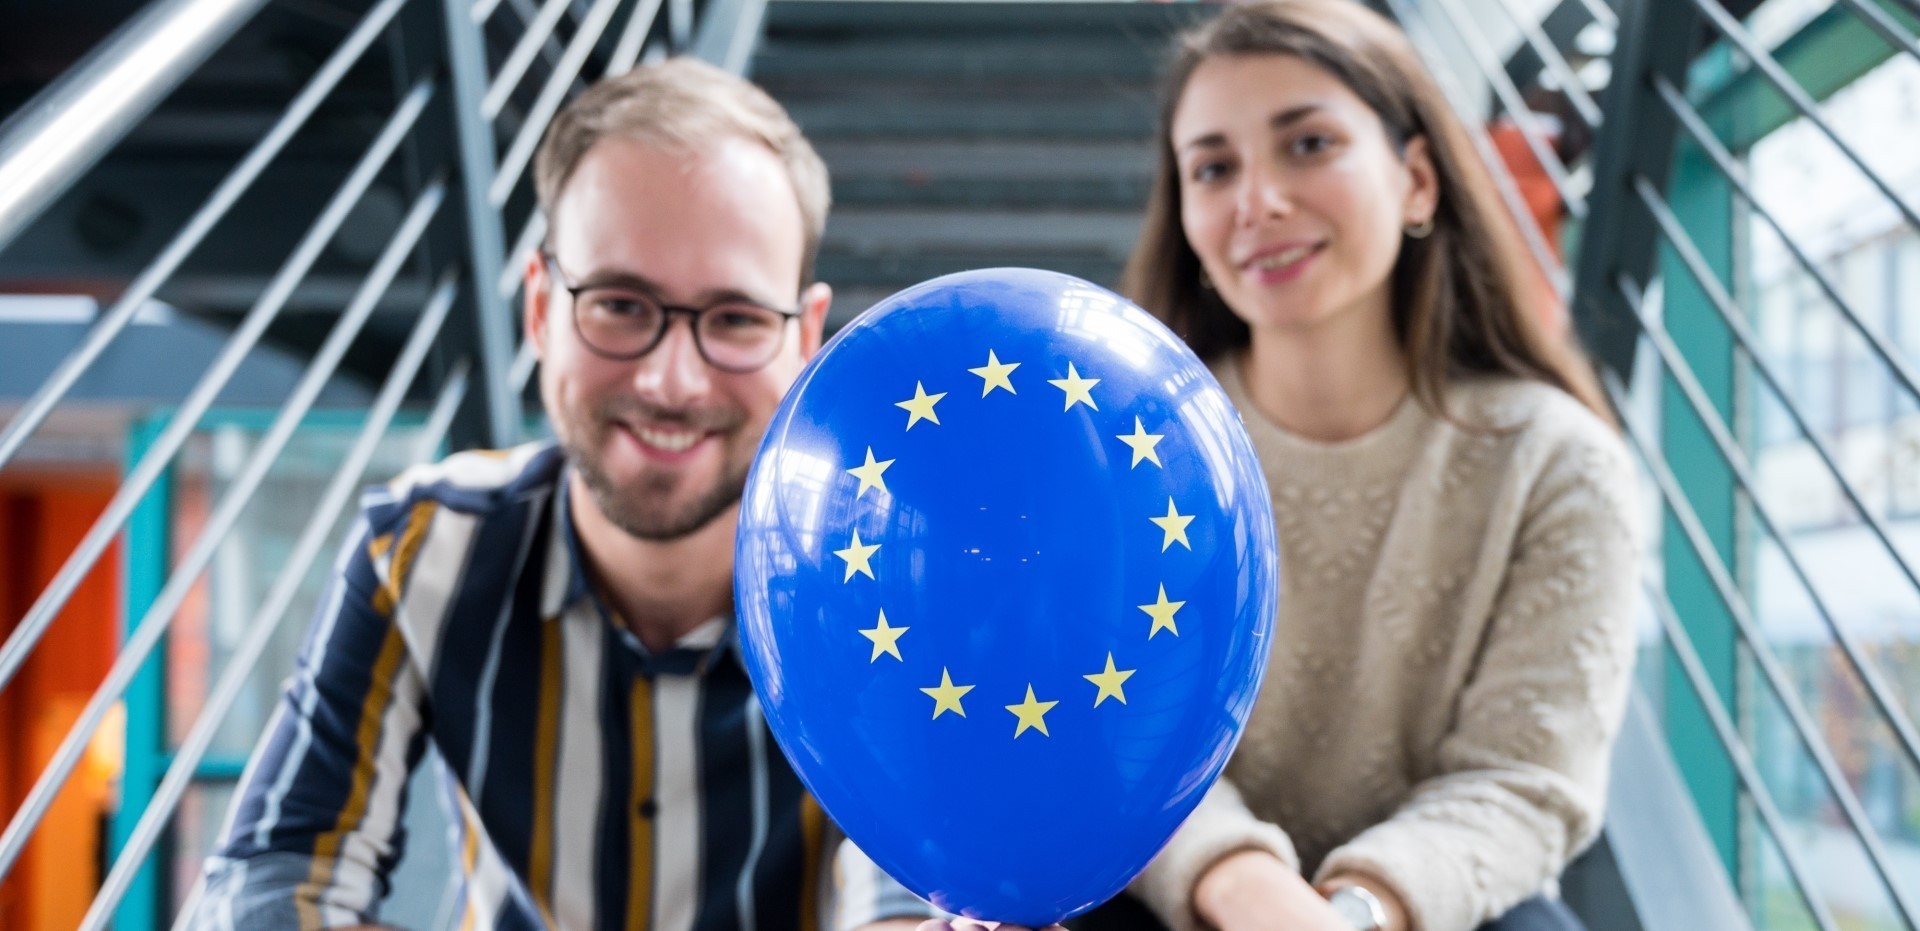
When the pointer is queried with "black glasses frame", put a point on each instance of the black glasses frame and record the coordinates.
(667, 312)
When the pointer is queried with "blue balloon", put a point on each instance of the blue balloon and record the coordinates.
(1006, 581)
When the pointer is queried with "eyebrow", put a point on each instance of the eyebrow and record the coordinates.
(628, 281)
(1281, 120)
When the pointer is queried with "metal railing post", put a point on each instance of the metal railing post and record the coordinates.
(65, 129)
(1655, 38)
(493, 417)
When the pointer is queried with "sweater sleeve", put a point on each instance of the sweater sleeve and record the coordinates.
(1219, 825)
(1521, 777)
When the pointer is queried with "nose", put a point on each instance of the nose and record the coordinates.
(1262, 194)
(674, 373)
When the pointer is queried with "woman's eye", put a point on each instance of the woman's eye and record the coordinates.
(1205, 172)
(1310, 144)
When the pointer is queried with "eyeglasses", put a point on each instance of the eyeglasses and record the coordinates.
(623, 324)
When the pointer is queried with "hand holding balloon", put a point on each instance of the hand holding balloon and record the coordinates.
(962, 924)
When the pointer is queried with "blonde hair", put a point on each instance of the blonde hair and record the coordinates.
(1456, 294)
(683, 104)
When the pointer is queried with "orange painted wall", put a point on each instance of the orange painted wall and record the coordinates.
(43, 516)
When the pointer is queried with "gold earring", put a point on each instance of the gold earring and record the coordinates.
(1419, 230)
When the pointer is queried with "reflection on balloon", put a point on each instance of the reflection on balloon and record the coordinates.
(1006, 580)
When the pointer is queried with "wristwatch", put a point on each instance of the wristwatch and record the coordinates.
(1360, 908)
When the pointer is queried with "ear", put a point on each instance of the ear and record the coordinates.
(1423, 182)
(538, 290)
(814, 302)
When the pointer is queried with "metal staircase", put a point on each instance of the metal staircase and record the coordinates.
(972, 135)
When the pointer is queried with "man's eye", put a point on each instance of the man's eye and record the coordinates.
(621, 305)
(741, 318)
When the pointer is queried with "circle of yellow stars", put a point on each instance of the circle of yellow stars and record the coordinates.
(884, 638)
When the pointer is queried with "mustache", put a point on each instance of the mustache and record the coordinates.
(703, 419)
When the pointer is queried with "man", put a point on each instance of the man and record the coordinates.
(556, 620)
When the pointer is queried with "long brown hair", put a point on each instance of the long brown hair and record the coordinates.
(1457, 295)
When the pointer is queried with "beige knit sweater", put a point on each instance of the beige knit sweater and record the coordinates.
(1450, 662)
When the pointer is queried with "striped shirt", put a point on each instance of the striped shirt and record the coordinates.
(592, 784)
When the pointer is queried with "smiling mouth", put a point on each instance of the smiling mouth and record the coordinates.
(673, 441)
(1283, 258)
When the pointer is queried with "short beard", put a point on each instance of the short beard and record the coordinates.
(641, 511)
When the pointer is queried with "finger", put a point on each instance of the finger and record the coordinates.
(934, 924)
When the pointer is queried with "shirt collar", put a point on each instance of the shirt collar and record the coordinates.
(566, 586)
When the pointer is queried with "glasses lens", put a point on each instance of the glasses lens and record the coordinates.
(740, 336)
(618, 323)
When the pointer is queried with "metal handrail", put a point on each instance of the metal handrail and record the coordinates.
(491, 282)
(65, 129)
(1881, 22)
(1739, 609)
(1736, 461)
(432, 434)
(148, 282)
(1776, 678)
(286, 584)
(1516, 107)
(729, 33)
(627, 50)
(1602, 14)
(1737, 752)
(14, 654)
(1509, 191)
(1723, 302)
(521, 58)
(1554, 61)
(1729, 27)
(520, 152)
(1690, 119)
(146, 634)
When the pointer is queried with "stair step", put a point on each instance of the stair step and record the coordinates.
(979, 118)
(781, 62)
(989, 173)
(873, 231)
(965, 21)
(893, 272)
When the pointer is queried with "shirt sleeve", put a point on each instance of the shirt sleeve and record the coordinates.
(1220, 825)
(1523, 773)
(317, 824)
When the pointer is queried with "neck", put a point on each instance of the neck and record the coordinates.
(662, 589)
(1331, 382)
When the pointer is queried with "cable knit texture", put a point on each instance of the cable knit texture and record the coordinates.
(1451, 660)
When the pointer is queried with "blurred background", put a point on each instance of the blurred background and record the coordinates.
(255, 254)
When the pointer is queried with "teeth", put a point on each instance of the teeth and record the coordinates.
(672, 442)
(1280, 259)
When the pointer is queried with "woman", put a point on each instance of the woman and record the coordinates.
(1454, 641)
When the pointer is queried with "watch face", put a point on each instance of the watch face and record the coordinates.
(1357, 907)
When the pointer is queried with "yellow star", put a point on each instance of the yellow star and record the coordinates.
(1175, 525)
(921, 405)
(1143, 444)
(1109, 682)
(946, 697)
(1075, 387)
(1162, 613)
(856, 556)
(995, 374)
(869, 474)
(886, 639)
(1032, 714)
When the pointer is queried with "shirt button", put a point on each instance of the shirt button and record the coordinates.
(649, 808)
